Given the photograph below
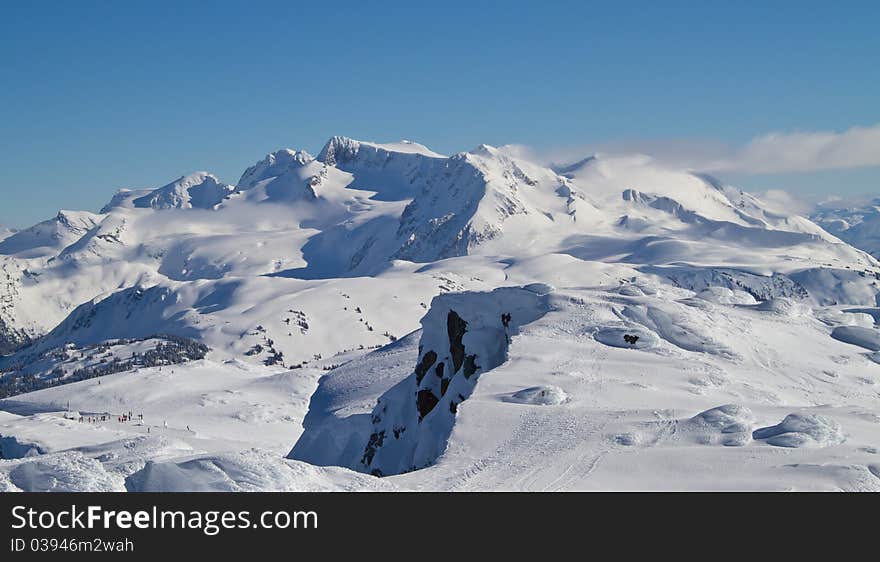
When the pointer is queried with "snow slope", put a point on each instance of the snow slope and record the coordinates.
(205, 426)
(714, 399)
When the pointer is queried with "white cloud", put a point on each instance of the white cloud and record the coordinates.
(678, 153)
(804, 152)
(771, 153)
(783, 201)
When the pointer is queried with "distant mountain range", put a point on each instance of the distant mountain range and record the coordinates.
(494, 321)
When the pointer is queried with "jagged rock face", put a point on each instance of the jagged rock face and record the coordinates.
(464, 335)
(338, 150)
(445, 220)
(455, 204)
(10, 338)
(348, 154)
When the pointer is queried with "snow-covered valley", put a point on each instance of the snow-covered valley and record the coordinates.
(383, 317)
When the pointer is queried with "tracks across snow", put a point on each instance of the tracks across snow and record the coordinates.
(516, 464)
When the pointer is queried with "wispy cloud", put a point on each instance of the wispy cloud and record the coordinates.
(771, 153)
(787, 202)
(804, 152)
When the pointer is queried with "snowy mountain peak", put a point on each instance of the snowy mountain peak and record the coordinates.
(467, 199)
(45, 238)
(123, 197)
(341, 150)
(289, 157)
(485, 150)
(273, 165)
(199, 190)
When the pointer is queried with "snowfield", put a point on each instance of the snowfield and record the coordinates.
(384, 317)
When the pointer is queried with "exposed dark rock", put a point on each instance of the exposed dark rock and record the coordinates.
(455, 329)
(444, 385)
(470, 366)
(425, 402)
(276, 358)
(439, 370)
(376, 440)
(425, 364)
(11, 340)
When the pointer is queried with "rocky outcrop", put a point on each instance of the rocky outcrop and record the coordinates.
(11, 339)
(464, 336)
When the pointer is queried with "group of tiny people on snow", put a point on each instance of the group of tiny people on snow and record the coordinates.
(121, 418)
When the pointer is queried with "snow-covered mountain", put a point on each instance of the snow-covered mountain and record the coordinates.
(547, 294)
(856, 222)
(199, 190)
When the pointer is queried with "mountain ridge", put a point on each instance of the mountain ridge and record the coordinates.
(472, 321)
(368, 209)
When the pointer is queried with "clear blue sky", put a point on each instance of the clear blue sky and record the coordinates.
(101, 95)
